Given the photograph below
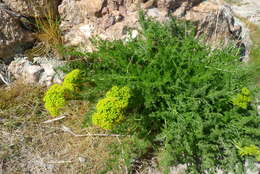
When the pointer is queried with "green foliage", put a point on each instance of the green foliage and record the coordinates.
(183, 90)
(55, 96)
(250, 150)
(110, 110)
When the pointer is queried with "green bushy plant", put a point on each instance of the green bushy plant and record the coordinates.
(184, 92)
(55, 97)
(110, 110)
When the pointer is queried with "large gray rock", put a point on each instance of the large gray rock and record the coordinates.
(13, 37)
(173, 5)
(94, 8)
(33, 8)
(111, 20)
(248, 9)
(108, 20)
(41, 70)
(219, 27)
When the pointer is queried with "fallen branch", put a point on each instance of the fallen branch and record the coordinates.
(59, 162)
(55, 119)
(3, 79)
(66, 129)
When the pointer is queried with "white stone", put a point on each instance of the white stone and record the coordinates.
(134, 34)
(82, 160)
(41, 70)
(87, 30)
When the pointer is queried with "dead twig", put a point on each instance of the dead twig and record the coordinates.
(66, 129)
(55, 119)
(59, 162)
(3, 79)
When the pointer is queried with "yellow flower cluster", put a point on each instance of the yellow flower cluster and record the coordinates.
(54, 98)
(243, 99)
(73, 77)
(110, 110)
(251, 150)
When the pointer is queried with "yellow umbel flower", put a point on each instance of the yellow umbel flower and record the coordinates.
(243, 99)
(73, 77)
(251, 150)
(110, 110)
(55, 97)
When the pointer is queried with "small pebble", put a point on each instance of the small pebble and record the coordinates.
(82, 160)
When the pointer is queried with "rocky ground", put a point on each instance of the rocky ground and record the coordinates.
(249, 9)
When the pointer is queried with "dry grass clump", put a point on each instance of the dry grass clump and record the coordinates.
(48, 34)
(20, 108)
(19, 103)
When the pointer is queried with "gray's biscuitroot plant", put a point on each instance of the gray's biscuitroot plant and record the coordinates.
(186, 105)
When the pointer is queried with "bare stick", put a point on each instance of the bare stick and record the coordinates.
(3, 79)
(55, 119)
(66, 129)
(58, 162)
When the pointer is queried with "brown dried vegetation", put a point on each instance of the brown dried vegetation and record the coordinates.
(29, 145)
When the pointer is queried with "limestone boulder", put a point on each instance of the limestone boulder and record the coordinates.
(41, 70)
(173, 5)
(23, 70)
(111, 19)
(33, 8)
(13, 37)
(218, 26)
(93, 8)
